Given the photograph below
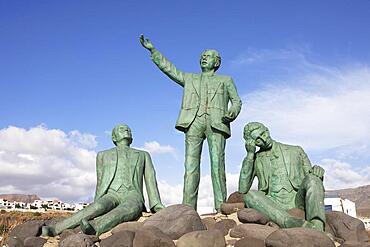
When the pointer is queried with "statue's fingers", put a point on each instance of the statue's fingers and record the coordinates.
(322, 172)
(316, 171)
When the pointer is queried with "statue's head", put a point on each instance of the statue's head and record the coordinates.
(210, 60)
(121, 132)
(259, 133)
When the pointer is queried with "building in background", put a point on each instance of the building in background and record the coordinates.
(333, 202)
(43, 205)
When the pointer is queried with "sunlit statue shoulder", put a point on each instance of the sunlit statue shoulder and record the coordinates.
(286, 180)
(119, 189)
(210, 103)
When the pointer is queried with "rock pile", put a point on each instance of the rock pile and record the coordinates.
(180, 225)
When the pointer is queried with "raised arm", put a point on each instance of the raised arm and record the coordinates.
(236, 103)
(247, 172)
(163, 63)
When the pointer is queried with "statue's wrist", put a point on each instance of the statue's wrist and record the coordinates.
(250, 156)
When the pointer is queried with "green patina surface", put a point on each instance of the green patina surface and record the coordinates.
(286, 180)
(119, 190)
(204, 114)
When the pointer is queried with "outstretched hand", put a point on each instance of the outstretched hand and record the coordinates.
(146, 43)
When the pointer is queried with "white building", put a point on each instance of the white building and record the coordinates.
(366, 222)
(80, 205)
(5, 204)
(37, 204)
(52, 204)
(337, 203)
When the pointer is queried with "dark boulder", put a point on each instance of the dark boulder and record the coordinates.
(236, 197)
(209, 222)
(250, 242)
(345, 227)
(127, 226)
(224, 226)
(250, 215)
(207, 238)
(79, 239)
(28, 229)
(13, 242)
(251, 230)
(230, 208)
(298, 236)
(119, 239)
(152, 237)
(176, 220)
(34, 242)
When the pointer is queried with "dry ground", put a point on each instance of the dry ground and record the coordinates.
(9, 219)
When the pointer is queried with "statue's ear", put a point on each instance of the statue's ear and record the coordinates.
(114, 138)
(217, 64)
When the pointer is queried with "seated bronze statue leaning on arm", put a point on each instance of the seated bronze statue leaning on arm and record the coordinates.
(119, 189)
(286, 180)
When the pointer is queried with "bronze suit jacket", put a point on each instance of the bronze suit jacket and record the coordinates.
(141, 167)
(293, 158)
(222, 91)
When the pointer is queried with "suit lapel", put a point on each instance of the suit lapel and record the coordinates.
(214, 93)
(286, 158)
(196, 83)
(265, 166)
(133, 157)
(109, 168)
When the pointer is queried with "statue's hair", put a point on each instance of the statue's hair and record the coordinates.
(217, 55)
(251, 126)
(114, 132)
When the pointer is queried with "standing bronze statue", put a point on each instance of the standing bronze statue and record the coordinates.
(119, 189)
(204, 114)
(286, 180)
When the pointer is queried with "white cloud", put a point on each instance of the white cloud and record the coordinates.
(47, 162)
(84, 140)
(172, 194)
(324, 109)
(254, 56)
(154, 147)
(335, 113)
(341, 175)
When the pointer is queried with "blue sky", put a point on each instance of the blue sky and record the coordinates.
(78, 67)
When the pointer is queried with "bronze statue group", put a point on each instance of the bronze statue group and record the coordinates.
(210, 103)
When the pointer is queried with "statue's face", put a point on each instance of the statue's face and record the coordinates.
(262, 138)
(123, 132)
(208, 61)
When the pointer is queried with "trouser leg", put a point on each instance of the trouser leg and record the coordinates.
(193, 147)
(216, 145)
(310, 198)
(97, 208)
(130, 209)
(259, 201)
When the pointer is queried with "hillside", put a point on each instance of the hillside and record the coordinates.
(359, 195)
(20, 197)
